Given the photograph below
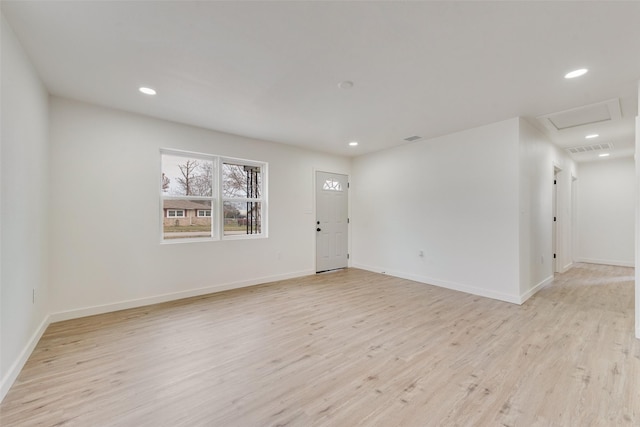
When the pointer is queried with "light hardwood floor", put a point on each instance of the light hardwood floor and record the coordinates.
(345, 349)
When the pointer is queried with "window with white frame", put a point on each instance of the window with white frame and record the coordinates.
(188, 183)
(243, 201)
(175, 213)
(206, 197)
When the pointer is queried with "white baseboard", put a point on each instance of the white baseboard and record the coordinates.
(140, 302)
(515, 299)
(531, 292)
(17, 366)
(606, 262)
(567, 267)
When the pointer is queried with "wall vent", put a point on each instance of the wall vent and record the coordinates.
(590, 148)
(594, 113)
(413, 138)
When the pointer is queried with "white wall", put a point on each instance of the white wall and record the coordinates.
(538, 159)
(105, 247)
(606, 212)
(24, 208)
(455, 198)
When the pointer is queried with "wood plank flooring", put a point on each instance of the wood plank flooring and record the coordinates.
(350, 348)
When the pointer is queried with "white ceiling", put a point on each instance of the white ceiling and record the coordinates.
(270, 70)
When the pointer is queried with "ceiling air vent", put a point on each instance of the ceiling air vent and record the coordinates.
(413, 138)
(594, 113)
(590, 148)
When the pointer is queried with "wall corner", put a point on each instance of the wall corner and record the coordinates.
(637, 246)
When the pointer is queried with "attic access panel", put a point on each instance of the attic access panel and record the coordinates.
(594, 113)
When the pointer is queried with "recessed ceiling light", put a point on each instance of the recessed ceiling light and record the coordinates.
(345, 84)
(603, 155)
(147, 90)
(593, 135)
(353, 143)
(576, 73)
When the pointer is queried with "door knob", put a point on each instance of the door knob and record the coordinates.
(318, 229)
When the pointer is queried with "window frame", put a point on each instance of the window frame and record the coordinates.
(216, 200)
(176, 211)
(262, 200)
(205, 215)
(212, 199)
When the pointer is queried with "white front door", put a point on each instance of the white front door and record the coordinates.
(331, 221)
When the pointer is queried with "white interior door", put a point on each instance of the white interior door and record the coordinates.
(554, 227)
(331, 221)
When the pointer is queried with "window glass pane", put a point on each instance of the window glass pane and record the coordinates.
(182, 221)
(332, 185)
(242, 218)
(186, 176)
(171, 213)
(241, 181)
